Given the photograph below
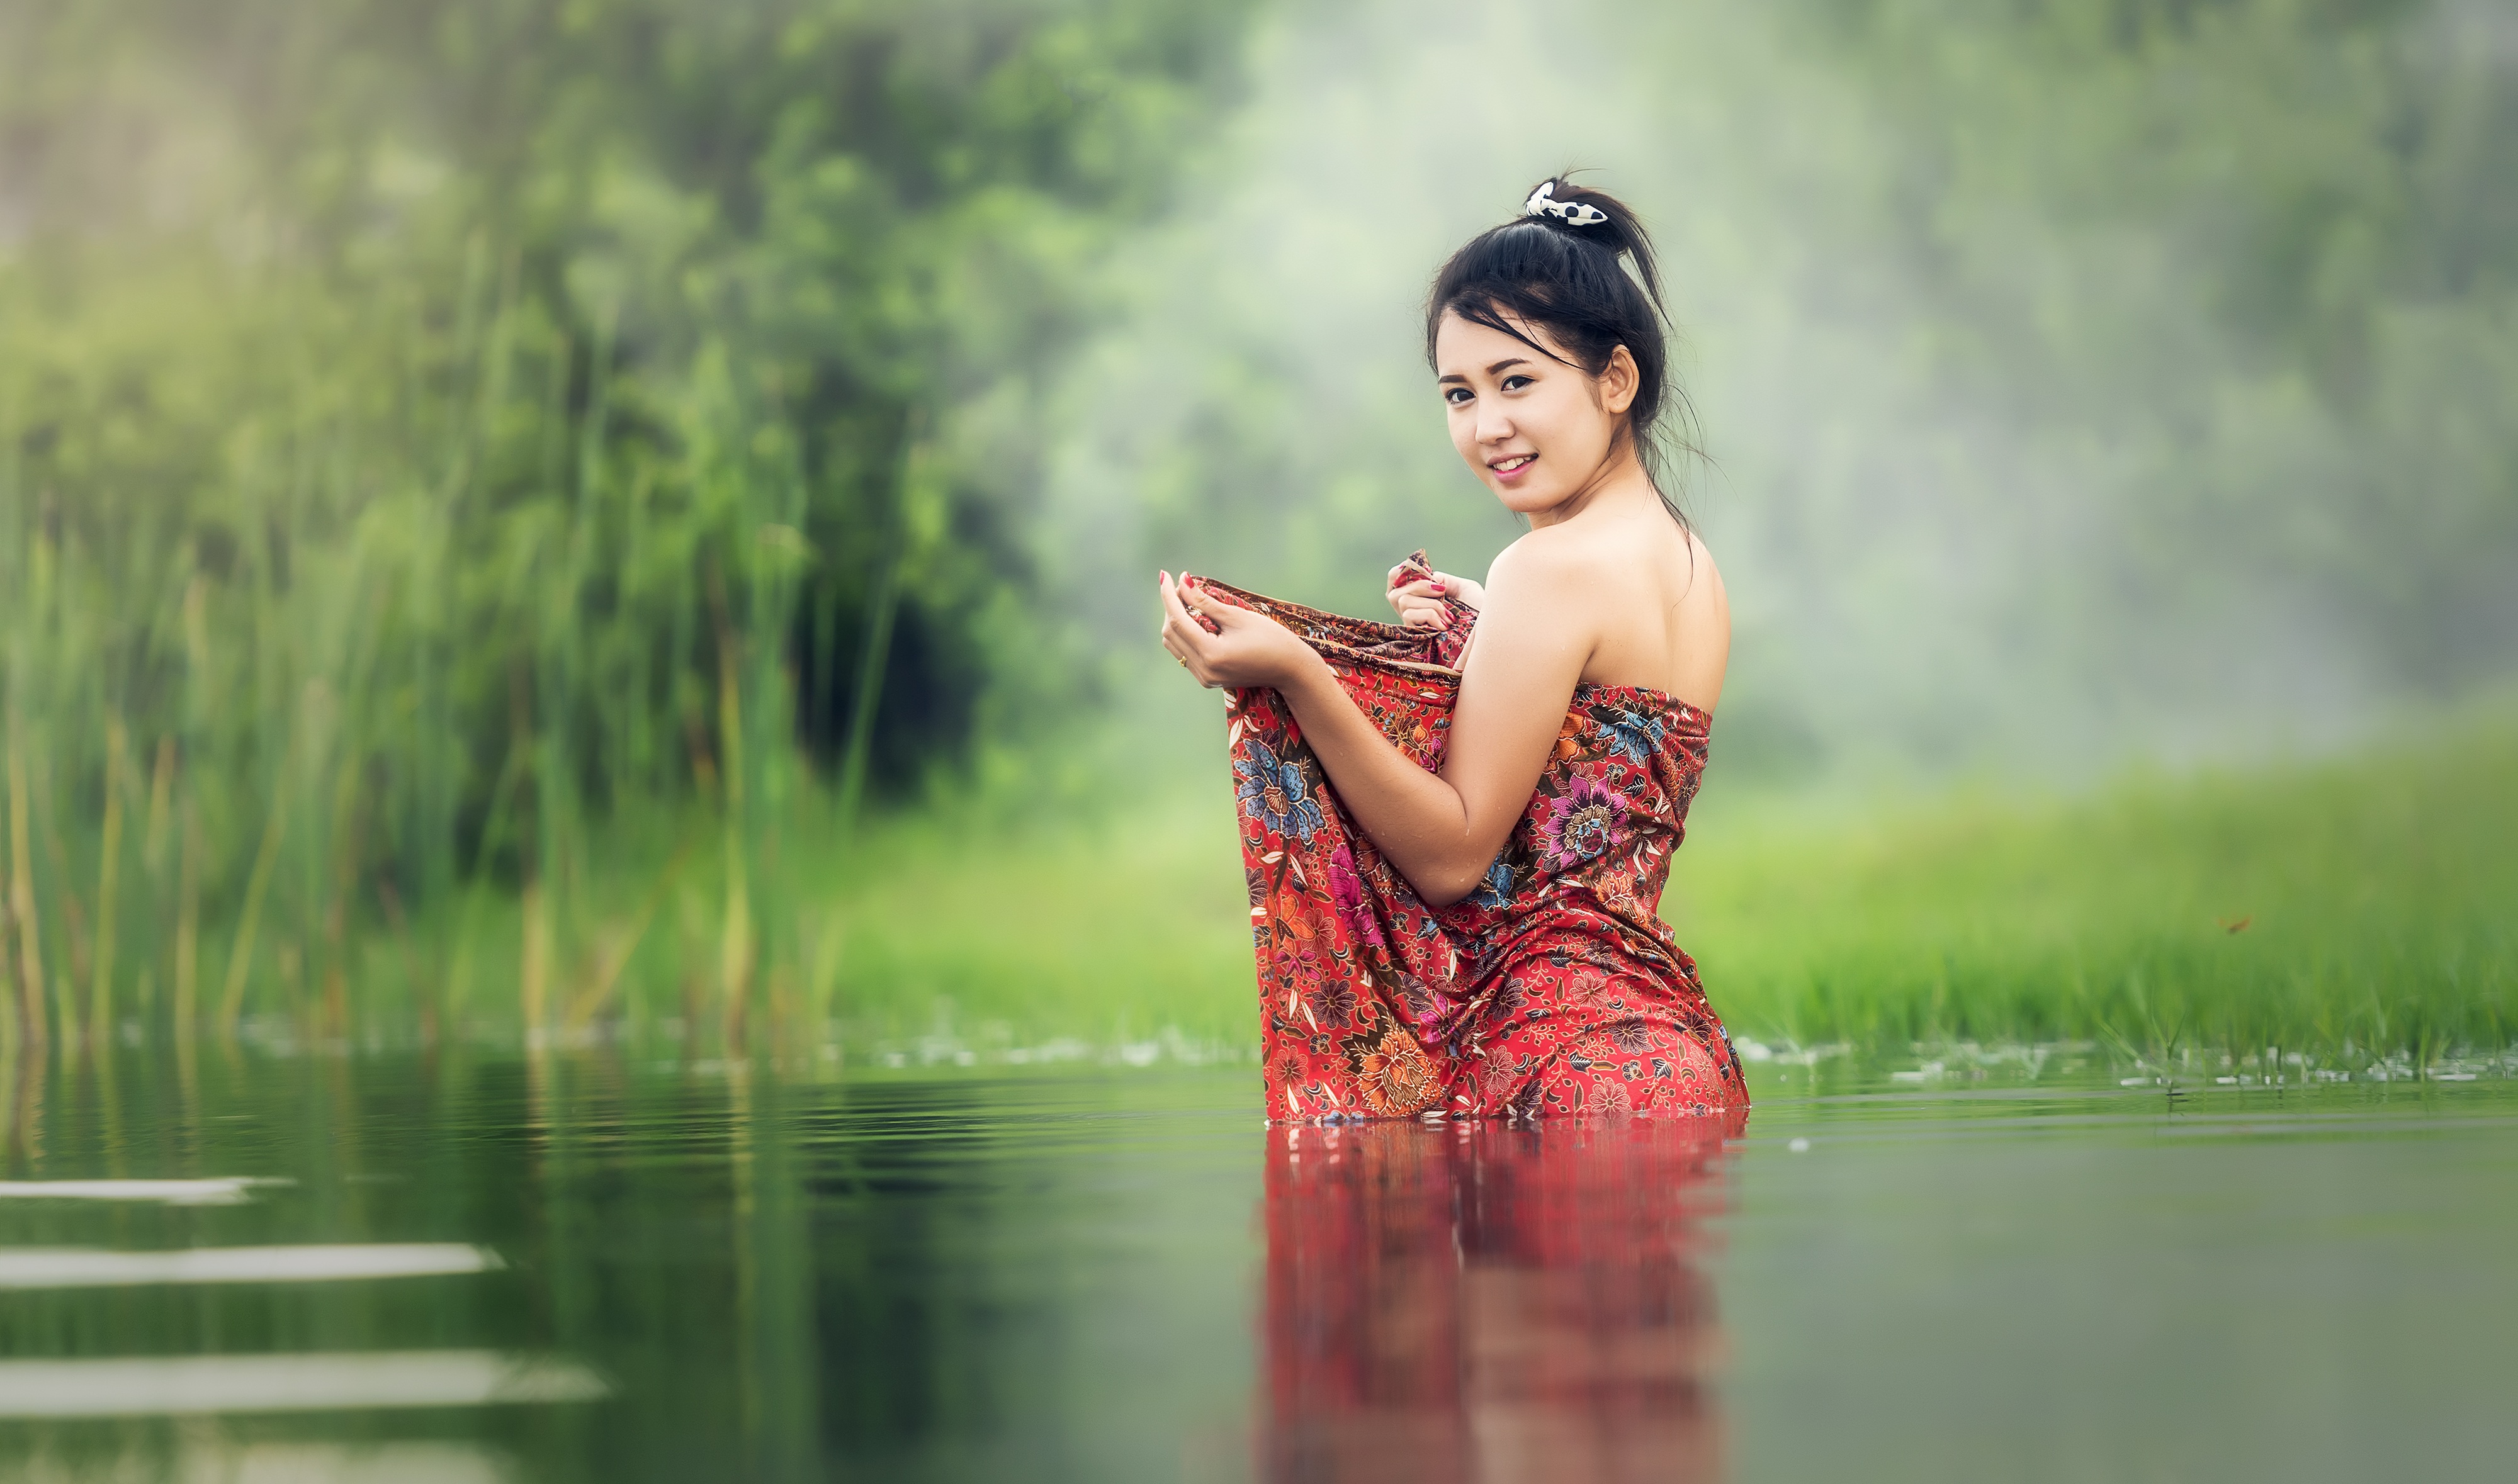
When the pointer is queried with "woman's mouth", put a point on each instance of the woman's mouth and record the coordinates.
(1511, 468)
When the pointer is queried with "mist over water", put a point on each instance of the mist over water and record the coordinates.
(2072, 398)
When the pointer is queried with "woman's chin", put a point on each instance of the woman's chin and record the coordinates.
(1528, 499)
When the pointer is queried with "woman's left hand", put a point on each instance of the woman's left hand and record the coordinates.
(1243, 648)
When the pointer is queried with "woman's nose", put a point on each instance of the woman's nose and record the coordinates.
(1493, 427)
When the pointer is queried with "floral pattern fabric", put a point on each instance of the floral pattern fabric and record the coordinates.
(1553, 988)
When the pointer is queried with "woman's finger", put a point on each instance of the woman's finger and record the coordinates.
(1225, 615)
(1182, 633)
(1166, 599)
(1174, 618)
(1180, 596)
(1173, 608)
(1186, 637)
(1181, 636)
(1190, 659)
(1210, 607)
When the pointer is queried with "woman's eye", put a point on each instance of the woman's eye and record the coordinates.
(1517, 383)
(1455, 396)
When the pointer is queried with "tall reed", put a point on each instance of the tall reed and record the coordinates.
(393, 657)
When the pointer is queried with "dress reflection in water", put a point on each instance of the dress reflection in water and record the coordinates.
(1492, 1301)
(1553, 988)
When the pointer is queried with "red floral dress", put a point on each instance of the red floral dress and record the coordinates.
(1554, 988)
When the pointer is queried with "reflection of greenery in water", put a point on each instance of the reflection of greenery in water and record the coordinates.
(1063, 1275)
(773, 1279)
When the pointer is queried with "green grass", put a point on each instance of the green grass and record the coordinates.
(2364, 903)
(2374, 891)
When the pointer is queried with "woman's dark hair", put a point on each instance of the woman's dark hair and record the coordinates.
(1543, 272)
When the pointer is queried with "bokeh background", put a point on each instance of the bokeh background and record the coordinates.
(631, 521)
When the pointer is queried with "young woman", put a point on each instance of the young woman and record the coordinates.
(1457, 828)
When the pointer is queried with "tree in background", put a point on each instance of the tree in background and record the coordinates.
(426, 425)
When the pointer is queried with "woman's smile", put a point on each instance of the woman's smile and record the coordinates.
(1538, 430)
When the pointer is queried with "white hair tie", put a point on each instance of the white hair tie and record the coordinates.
(1543, 202)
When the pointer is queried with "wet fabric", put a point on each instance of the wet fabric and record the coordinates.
(1554, 988)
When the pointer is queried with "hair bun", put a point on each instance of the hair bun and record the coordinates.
(1543, 202)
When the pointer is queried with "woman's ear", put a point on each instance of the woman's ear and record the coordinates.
(1619, 381)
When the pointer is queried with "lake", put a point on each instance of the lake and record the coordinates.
(470, 1267)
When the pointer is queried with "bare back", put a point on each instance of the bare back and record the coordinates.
(1651, 603)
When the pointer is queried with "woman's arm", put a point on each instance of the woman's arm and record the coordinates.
(1441, 831)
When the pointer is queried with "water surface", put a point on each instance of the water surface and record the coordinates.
(472, 1268)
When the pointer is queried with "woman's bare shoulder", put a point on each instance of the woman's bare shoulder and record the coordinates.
(1552, 561)
(1703, 575)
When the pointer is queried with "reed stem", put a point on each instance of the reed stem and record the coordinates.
(188, 926)
(100, 1011)
(240, 956)
(21, 900)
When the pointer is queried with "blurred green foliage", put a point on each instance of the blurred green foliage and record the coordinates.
(428, 427)
(2291, 291)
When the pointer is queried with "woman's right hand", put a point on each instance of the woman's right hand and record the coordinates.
(1419, 602)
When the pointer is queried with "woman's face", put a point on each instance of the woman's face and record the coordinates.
(1535, 429)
